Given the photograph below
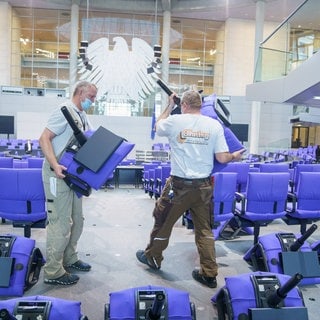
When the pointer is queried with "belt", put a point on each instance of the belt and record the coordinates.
(199, 180)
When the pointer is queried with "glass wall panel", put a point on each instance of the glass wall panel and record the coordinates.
(41, 48)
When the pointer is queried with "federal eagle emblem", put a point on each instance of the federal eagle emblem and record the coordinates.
(120, 73)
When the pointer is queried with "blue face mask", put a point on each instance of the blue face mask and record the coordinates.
(86, 104)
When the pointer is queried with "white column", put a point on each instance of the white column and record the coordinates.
(5, 43)
(165, 53)
(256, 106)
(74, 46)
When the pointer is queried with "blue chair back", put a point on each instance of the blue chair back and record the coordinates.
(274, 167)
(224, 195)
(267, 192)
(6, 162)
(22, 198)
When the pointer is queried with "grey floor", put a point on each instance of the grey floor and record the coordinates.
(117, 224)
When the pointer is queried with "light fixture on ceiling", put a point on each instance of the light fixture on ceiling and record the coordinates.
(316, 98)
(212, 52)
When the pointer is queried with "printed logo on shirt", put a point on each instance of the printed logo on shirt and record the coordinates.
(193, 137)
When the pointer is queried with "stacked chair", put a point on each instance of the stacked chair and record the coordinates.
(150, 302)
(280, 261)
(41, 307)
(261, 296)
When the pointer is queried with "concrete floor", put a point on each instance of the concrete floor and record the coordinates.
(117, 224)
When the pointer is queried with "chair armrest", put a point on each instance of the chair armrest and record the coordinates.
(240, 197)
(291, 185)
(158, 182)
(292, 198)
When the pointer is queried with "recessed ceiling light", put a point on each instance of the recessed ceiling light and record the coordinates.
(316, 97)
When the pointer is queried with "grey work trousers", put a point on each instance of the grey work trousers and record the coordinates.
(197, 196)
(65, 224)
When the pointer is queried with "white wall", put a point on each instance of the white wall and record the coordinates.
(239, 53)
(32, 112)
(5, 43)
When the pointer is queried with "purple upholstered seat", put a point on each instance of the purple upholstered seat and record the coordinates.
(22, 198)
(305, 206)
(265, 199)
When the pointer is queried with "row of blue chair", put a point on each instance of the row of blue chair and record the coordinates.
(161, 146)
(243, 169)
(247, 197)
(265, 198)
(154, 177)
(28, 162)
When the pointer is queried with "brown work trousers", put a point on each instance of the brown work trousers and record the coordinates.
(195, 195)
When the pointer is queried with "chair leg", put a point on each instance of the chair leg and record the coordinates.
(256, 232)
(230, 229)
(303, 227)
(27, 231)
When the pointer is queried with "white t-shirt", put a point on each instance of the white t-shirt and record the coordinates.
(58, 124)
(194, 139)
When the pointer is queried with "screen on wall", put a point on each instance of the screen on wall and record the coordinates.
(240, 130)
(7, 124)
